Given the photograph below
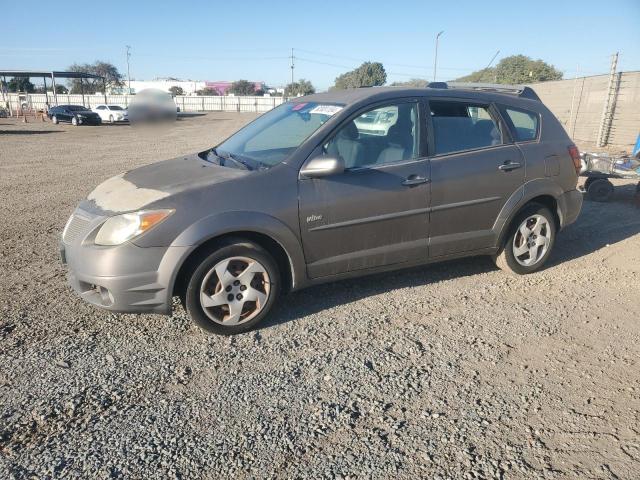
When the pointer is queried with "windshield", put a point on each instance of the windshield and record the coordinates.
(115, 107)
(275, 135)
(78, 108)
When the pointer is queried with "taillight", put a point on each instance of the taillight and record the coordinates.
(575, 156)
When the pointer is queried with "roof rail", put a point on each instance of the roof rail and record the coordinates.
(520, 90)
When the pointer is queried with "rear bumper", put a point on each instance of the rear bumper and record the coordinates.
(126, 278)
(569, 207)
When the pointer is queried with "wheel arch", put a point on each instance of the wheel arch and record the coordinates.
(273, 247)
(264, 230)
(545, 199)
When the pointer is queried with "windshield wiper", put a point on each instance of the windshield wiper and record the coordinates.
(237, 160)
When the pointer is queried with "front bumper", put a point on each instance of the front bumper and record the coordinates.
(90, 121)
(124, 278)
(569, 206)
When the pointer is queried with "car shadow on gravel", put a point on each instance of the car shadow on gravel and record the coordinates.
(599, 225)
(190, 114)
(27, 132)
(322, 297)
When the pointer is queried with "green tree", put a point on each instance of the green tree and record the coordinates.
(516, 69)
(113, 78)
(176, 90)
(20, 84)
(61, 89)
(369, 74)
(207, 92)
(243, 88)
(301, 87)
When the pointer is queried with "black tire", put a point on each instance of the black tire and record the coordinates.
(55, 120)
(74, 121)
(600, 190)
(588, 182)
(506, 258)
(111, 120)
(208, 260)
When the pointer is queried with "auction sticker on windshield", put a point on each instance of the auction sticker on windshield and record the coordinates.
(326, 109)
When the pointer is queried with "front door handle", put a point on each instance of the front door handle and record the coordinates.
(509, 165)
(413, 180)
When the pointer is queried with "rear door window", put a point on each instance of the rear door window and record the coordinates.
(525, 124)
(460, 126)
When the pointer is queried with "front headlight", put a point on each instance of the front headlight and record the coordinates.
(117, 230)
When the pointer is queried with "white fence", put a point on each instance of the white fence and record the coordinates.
(37, 101)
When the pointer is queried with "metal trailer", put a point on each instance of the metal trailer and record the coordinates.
(600, 167)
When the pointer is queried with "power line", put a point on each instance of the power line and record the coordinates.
(492, 59)
(213, 59)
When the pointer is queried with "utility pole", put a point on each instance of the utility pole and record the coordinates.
(128, 71)
(292, 65)
(435, 61)
(609, 103)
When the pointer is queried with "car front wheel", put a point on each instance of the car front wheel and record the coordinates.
(529, 241)
(232, 288)
(54, 119)
(74, 121)
(111, 119)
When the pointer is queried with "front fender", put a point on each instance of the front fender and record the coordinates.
(219, 224)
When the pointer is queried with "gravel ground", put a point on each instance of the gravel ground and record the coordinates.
(451, 371)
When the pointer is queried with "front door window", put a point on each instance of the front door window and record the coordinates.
(379, 136)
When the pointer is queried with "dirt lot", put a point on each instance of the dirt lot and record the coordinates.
(451, 371)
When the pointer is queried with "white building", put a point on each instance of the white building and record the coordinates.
(189, 87)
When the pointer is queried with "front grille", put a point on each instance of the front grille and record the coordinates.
(77, 226)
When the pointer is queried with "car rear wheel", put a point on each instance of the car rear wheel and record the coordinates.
(232, 288)
(74, 121)
(529, 241)
(54, 119)
(111, 119)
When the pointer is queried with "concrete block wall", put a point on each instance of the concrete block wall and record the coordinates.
(588, 95)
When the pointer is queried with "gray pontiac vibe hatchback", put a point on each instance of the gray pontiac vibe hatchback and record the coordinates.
(325, 187)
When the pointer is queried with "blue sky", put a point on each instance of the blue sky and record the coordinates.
(207, 40)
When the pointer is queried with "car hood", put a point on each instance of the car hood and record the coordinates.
(138, 188)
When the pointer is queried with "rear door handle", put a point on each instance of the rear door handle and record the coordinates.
(508, 166)
(413, 180)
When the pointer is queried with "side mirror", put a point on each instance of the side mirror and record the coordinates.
(322, 166)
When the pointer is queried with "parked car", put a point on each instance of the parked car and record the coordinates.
(112, 113)
(76, 114)
(302, 196)
(152, 105)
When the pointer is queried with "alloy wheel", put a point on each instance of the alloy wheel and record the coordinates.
(235, 290)
(532, 240)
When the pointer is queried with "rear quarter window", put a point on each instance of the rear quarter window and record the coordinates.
(526, 125)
